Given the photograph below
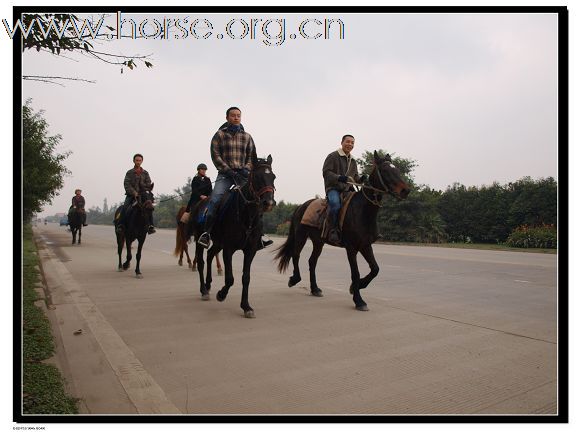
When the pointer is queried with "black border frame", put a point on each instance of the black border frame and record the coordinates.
(563, 237)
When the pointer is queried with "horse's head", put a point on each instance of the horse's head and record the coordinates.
(146, 199)
(386, 176)
(262, 182)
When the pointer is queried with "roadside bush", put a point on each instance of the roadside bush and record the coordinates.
(525, 236)
(283, 229)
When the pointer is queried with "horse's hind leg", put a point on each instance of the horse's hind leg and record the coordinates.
(141, 241)
(220, 270)
(355, 277)
(74, 234)
(301, 237)
(127, 263)
(80, 232)
(120, 243)
(211, 253)
(200, 264)
(316, 251)
(186, 253)
(229, 281)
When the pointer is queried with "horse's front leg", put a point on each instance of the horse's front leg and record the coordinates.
(245, 304)
(369, 256)
(141, 242)
(127, 262)
(300, 240)
(80, 232)
(74, 235)
(185, 248)
(229, 278)
(355, 278)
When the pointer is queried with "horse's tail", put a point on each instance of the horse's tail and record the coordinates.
(179, 234)
(286, 251)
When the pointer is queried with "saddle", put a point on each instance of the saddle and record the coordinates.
(316, 214)
(223, 206)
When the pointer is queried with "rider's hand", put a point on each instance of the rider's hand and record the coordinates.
(245, 173)
(342, 179)
(202, 197)
(230, 173)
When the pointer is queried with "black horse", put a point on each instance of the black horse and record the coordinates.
(359, 230)
(137, 220)
(75, 222)
(240, 228)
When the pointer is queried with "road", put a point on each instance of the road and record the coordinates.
(449, 331)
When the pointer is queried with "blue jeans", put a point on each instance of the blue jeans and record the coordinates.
(333, 197)
(222, 185)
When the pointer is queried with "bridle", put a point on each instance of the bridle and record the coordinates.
(257, 195)
(376, 192)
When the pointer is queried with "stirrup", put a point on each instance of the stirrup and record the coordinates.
(204, 241)
(264, 242)
(151, 229)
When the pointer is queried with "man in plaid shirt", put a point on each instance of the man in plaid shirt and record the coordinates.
(231, 152)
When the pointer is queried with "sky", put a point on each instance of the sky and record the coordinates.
(472, 98)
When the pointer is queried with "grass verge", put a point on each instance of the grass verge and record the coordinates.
(43, 384)
(486, 246)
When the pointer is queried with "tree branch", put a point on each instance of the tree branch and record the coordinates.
(56, 78)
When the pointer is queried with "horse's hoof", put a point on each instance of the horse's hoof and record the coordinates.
(292, 281)
(249, 314)
(350, 290)
(180, 263)
(317, 293)
(220, 272)
(362, 307)
(138, 276)
(205, 297)
(220, 296)
(194, 269)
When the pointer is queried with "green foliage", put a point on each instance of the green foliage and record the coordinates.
(544, 236)
(283, 229)
(405, 166)
(43, 170)
(43, 385)
(281, 213)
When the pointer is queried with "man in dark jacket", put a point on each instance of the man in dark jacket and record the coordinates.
(339, 168)
(200, 187)
(78, 203)
(136, 180)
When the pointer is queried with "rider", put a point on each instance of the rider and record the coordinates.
(200, 187)
(338, 167)
(231, 152)
(78, 203)
(136, 180)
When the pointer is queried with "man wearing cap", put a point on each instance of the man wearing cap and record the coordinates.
(78, 203)
(338, 168)
(136, 180)
(200, 187)
(231, 151)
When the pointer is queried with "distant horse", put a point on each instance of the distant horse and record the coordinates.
(359, 230)
(137, 220)
(239, 228)
(181, 242)
(75, 222)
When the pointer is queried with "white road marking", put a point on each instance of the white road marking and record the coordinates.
(520, 280)
(167, 252)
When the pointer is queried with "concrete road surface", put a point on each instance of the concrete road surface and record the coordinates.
(449, 331)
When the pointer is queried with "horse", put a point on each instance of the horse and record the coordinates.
(359, 230)
(75, 222)
(181, 242)
(137, 220)
(239, 228)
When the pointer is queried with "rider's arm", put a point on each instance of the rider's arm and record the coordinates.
(216, 154)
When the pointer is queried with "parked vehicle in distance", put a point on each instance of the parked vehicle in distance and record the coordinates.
(63, 221)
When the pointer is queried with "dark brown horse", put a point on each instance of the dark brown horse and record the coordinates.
(75, 222)
(240, 228)
(181, 241)
(359, 231)
(137, 220)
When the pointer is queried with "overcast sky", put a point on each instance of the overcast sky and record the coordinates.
(471, 98)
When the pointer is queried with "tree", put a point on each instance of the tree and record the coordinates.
(60, 33)
(43, 170)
